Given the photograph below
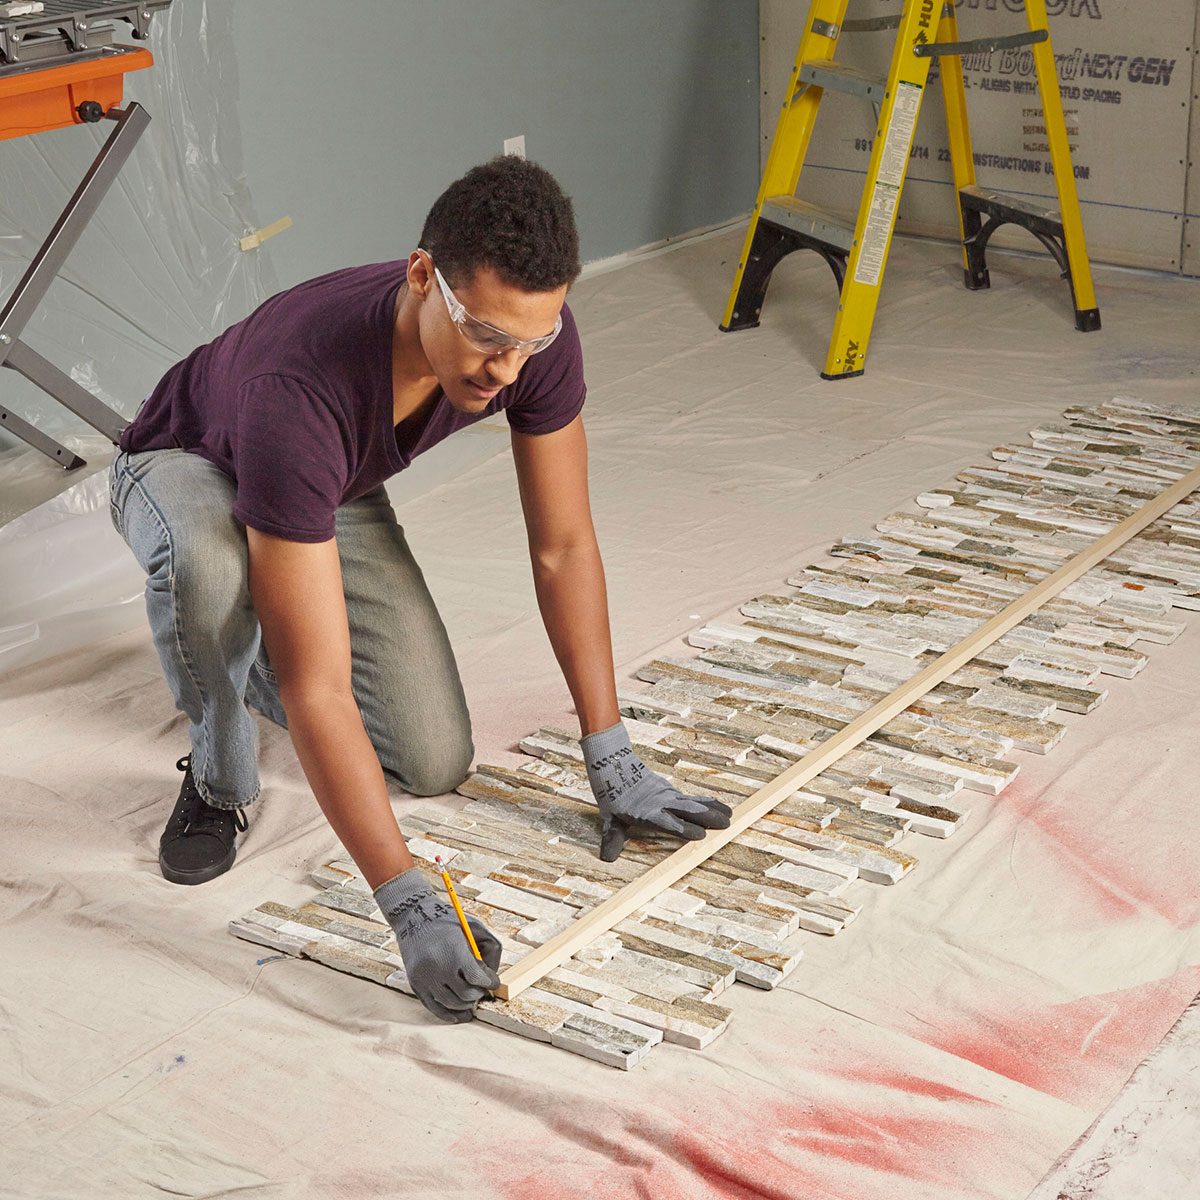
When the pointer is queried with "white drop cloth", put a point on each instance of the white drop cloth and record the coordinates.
(950, 1045)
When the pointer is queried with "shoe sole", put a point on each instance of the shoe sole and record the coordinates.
(174, 875)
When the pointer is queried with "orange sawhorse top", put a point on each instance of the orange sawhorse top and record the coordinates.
(36, 100)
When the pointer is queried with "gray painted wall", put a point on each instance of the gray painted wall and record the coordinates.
(350, 118)
(646, 111)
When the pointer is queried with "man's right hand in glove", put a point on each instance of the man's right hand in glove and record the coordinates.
(446, 977)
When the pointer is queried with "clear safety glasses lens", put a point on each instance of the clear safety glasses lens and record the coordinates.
(487, 338)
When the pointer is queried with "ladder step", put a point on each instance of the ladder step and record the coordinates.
(820, 224)
(836, 76)
(1009, 208)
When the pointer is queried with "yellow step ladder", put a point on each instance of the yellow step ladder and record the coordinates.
(857, 249)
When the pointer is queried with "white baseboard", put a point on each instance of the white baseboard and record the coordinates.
(652, 249)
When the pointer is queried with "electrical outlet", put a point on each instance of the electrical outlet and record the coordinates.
(515, 145)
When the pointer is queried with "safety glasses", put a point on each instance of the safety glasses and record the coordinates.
(487, 338)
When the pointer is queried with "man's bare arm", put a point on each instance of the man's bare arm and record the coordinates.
(569, 577)
(568, 573)
(297, 592)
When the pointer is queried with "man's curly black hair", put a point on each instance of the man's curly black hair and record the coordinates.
(508, 214)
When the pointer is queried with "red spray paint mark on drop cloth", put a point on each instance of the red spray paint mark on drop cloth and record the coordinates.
(748, 1163)
(873, 1136)
(870, 1144)
(912, 1085)
(1080, 1051)
(1117, 864)
(747, 1148)
(594, 1152)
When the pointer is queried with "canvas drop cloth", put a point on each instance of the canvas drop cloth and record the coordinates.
(950, 1045)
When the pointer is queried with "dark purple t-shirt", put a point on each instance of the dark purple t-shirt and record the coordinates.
(295, 402)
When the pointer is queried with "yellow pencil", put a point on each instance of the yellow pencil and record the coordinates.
(462, 917)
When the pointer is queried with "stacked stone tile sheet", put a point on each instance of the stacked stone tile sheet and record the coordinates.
(756, 696)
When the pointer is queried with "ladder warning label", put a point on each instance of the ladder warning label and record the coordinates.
(877, 234)
(894, 159)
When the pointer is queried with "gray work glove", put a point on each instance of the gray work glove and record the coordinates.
(633, 799)
(446, 977)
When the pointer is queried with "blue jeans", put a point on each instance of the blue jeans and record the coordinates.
(174, 509)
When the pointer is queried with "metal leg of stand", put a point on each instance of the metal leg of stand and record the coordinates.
(65, 390)
(131, 124)
(11, 423)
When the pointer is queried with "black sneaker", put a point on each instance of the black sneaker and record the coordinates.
(198, 843)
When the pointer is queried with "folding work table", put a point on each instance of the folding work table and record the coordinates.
(59, 67)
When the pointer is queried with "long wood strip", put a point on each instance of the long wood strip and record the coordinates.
(632, 896)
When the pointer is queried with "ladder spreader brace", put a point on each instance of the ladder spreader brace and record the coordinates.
(856, 248)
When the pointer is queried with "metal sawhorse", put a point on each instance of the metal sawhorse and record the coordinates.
(59, 67)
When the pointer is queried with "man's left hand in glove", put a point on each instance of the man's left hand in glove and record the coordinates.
(634, 799)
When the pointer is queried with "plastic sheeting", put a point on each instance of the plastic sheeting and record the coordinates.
(66, 578)
(158, 271)
(949, 1046)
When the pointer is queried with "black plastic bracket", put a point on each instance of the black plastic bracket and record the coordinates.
(772, 242)
(983, 215)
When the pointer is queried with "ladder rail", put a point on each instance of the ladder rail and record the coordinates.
(878, 208)
(958, 129)
(793, 130)
(1080, 270)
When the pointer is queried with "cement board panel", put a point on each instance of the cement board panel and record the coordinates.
(1126, 84)
(1191, 221)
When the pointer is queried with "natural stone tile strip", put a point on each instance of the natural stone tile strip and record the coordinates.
(763, 694)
